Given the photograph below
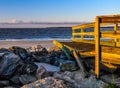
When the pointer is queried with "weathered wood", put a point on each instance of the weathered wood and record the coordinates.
(66, 51)
(80, 64)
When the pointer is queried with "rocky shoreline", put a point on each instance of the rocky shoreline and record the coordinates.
(37, 67)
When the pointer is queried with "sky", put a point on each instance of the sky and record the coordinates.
(56, 10)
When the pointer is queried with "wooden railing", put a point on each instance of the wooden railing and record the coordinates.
(100, 38)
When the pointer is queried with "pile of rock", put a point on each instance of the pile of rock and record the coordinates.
(38, 67)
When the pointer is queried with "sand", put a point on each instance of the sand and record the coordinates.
(26, 44)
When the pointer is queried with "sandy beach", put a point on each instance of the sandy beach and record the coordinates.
(25, 44)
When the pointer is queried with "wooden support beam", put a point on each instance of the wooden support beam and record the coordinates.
(97, 46)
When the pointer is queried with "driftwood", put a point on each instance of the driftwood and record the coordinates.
(80, 64)
(67, 52)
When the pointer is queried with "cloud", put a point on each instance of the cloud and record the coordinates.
(14, 21)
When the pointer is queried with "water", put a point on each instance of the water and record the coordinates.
(28, 34)
(16, 34)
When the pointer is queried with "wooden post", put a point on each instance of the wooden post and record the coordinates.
(115, 30)
(82, 36)
(97, 46)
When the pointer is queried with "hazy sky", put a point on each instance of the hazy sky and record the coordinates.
(56, 10)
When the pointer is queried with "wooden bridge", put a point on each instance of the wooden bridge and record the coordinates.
(102, 41)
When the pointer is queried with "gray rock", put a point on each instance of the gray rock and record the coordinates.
(4, 83)
(15, 79)
(19, 51)
(3, 50)
(25, 79)
(11, 87)
(78, 76)
(42, 73)
(48, 82)
(92, 82)
(68, 65)
(62, 76)
(48, 67)
(9, 64)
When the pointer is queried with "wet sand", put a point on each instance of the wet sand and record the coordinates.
(25, 44)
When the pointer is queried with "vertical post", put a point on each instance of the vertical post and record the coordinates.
(115, 30)
(82, 36)
(97, 46)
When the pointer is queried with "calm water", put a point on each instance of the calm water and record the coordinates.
(35, 33)
(58, 33)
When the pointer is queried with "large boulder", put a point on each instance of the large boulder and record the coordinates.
(9, 63)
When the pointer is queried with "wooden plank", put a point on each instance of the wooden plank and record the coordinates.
(110, 66)
(80, 63)
(110, 35)
(66, 51)
(83, 26)
(105, 43)
(84, 33)
(110, 20)
(111, 58)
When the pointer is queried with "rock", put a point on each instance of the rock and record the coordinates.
(9, 63)
(29, 68)
(15, 79)
(63, 56)
(55, 61)
(48, 67)
(68, 65)
(44, 59)
(117, 81)
(11, 87)
(19, 51)
(23, 54)
(38, 50)
(41, 73)
(25, 79)
(4, 83)
(92, 82)
(3, 50)
(64, 77)
(48, 82)
(44, 51)
(78, 76)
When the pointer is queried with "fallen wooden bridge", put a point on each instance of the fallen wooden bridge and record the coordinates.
(98, 42)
